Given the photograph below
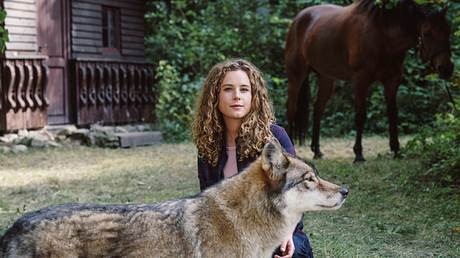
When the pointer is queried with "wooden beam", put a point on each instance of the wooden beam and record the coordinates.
(87, 42)
(20, 6)
(22, 14)
(22, 30)
(21, 46)
(22, 38)
(86, 35)
(9, 21)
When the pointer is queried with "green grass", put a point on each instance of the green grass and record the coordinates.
(386, 215)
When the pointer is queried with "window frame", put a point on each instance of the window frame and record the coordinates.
(106, 30)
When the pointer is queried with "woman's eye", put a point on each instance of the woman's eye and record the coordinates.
(227, 89)
(244, 89)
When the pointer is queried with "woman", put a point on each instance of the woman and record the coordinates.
(233, 122)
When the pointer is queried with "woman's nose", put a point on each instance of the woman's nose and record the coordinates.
(237, 94)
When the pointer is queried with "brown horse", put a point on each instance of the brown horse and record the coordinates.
(362, 43)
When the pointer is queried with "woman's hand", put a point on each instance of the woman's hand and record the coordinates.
(286, 248)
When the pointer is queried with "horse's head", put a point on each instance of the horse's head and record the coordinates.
(435, 43)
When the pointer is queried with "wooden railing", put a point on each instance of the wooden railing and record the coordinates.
(113, 91)
(23, 102)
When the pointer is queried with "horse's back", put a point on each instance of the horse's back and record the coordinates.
(317, 11)
(305, 22)
(321, 34)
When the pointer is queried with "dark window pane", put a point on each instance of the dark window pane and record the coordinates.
(110, 27)
(105, 38)
(104, 27)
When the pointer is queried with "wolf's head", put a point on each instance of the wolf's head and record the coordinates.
(301, 187)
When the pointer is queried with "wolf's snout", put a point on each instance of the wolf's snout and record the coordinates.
(344, 191)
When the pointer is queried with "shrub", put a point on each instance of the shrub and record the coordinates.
(438, 148)
(175, 105)
(3, 31)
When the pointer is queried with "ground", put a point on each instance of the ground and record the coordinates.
(386, 215)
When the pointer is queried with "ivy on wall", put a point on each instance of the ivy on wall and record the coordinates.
(3, 31)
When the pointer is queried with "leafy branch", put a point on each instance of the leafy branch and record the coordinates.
(3, 31)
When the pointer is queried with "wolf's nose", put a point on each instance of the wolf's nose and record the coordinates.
(344, 191)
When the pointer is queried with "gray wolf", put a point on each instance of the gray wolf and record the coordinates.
(247, 215)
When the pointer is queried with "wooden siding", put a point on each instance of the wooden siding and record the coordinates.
(87, 29)
(21, 22)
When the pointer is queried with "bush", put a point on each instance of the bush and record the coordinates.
(438, 148)
(3, 31)
(437, 144)
(175, 105)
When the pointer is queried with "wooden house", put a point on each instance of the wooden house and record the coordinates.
(74, 61)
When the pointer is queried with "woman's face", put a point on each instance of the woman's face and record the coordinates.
(235, 95)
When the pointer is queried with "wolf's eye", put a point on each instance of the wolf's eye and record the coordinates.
(310, 179)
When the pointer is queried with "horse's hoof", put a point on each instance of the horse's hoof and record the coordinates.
(319, 155)
(359, 160)
(397, 155)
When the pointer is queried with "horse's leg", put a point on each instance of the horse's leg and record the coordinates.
(361, 92)
(391, 87)
(297, 74)
(325, 90)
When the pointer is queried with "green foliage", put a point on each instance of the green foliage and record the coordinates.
(3, 31)
(277, 91)
(175, 104)
(199, 34)
(192, 36)
(438, 148)
(437, 143)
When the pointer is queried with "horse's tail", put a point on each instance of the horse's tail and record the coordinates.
(298, 71)
(302, 113)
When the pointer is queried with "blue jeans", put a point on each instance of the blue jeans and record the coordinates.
(302, 246)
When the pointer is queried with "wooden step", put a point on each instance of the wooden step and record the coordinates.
(131, 139)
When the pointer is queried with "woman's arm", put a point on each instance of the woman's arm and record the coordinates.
(281, 135)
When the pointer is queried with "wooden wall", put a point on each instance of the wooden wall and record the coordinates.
(21, 22)
(87, 29)
(32, 64)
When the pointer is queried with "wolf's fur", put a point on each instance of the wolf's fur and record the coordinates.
(247, 215)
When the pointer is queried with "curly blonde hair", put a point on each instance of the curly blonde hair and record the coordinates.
(208, 125)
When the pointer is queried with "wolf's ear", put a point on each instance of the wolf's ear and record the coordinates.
(274, 160)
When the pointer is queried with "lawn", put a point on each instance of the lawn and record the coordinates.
(386, 215)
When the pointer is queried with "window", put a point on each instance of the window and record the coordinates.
(111, 29)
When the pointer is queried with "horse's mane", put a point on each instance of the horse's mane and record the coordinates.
(406, 14)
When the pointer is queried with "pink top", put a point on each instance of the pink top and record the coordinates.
(230, 168)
